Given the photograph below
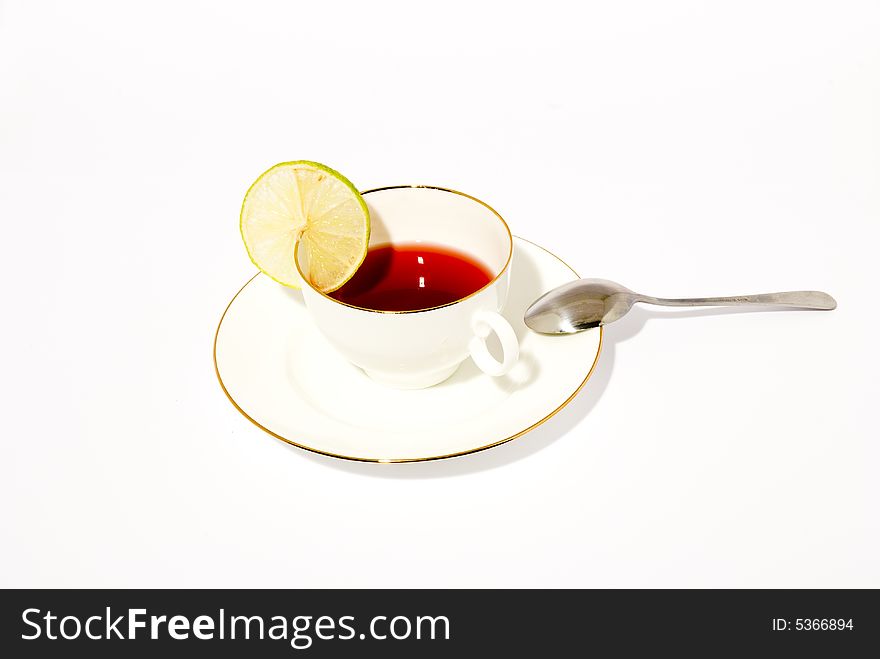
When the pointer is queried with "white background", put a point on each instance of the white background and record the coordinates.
(681, 148)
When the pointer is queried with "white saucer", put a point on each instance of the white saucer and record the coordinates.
(279, 372)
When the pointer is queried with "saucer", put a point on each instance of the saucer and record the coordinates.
(279, 372)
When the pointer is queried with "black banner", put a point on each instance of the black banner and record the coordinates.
(325, 623)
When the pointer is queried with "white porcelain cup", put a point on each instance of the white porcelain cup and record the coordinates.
(416, 349)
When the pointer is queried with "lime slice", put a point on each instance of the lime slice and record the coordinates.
(310, 203)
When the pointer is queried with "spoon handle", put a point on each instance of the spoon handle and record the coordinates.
(800, 299)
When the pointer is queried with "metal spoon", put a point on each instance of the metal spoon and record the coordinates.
(587, 303)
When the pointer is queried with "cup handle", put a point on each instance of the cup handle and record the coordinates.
(483, 324)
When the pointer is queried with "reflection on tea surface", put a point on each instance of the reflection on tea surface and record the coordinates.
(409, 277)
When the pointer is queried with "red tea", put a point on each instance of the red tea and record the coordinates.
(413, 276)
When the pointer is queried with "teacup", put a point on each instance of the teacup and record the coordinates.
(421, 348)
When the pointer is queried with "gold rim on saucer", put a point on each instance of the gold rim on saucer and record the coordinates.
(402, 460)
